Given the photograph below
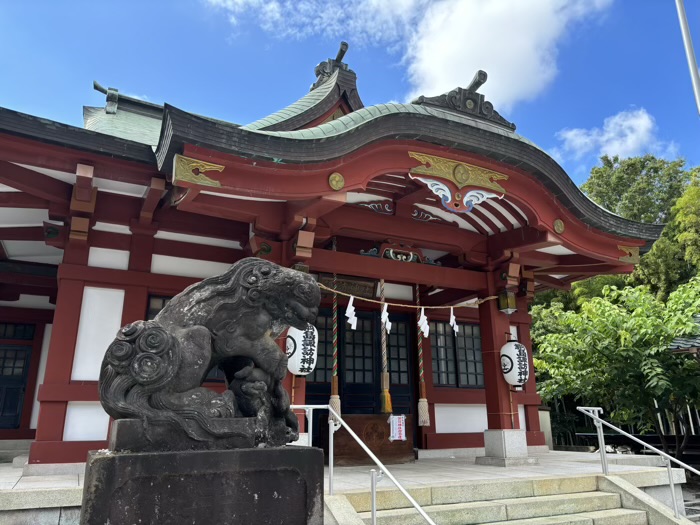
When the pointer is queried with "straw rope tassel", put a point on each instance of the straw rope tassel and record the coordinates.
(334, 401)
(386, 396)
(423, 410)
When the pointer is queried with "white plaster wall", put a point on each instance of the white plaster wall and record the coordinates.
(521, 417)
(452, 419)
(40, 376)
(165, 264)
(397, 291)
(100, 319)
(85, 421)
(108, 258)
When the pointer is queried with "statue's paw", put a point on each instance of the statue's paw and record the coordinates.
(254, 389)
(292, 435)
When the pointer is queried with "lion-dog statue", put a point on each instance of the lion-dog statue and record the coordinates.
(153, 371)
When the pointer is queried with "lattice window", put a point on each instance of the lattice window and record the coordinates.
(13, 361)
(324, 364)
(155, 304)
(23, 332)
(359, 353)
(397, 345)
(457, 358)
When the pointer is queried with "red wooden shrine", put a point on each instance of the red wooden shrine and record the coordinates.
(440, 198)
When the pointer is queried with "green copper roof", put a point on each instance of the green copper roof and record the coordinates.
(307, 101)
(352, 120)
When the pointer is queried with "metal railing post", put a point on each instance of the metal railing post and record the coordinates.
(672, 486)
(601, 447)
(331, 440)
(373, 488)
(309, 423)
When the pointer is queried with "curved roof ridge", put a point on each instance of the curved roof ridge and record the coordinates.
(395, 122)
(303, 104)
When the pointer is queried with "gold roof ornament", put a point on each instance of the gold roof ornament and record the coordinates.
(191, 170)
(459, 173)
(632, 252)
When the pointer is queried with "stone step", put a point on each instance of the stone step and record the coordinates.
(473, 492)
(20, 461)
(599, 517)
(501, 510)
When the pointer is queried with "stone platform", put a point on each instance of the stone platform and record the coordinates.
(276, 486)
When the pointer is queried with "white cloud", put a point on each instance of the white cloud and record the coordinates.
(626, 134)
(442, 42)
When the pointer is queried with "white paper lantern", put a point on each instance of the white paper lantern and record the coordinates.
(514, 363)
(302, 350)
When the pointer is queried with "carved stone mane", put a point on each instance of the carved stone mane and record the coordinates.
(154, 370)
(468, 101)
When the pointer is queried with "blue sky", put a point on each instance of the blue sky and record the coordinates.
(579, 77)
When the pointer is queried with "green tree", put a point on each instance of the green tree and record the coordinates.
(687, 212)
(614, 353)
(642, 189)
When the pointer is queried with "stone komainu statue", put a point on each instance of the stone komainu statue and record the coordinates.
(153, 371)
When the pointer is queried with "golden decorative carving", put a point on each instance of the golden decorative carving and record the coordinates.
(192, 170)
(559, 226)
(457, 172)
(336, 181)
(632, 254)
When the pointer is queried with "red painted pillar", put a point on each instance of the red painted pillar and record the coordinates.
(532, 416)
(494, 327)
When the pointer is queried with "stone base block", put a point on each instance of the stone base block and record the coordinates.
(505, 462)
(505, 443)
(280, 486)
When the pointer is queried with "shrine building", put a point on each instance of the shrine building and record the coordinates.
(434, 203)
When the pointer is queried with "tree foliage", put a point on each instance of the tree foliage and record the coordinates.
(687, 216)
(614, 353)
(642, 189)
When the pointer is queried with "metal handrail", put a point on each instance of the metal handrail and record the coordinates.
(593, 412)
(333, 427)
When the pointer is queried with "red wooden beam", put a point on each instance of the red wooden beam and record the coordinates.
(22, 233)
(17, 199)
(588, 269)
(122, 209)
(364, 224)
(553, 282)
(34, 183)
(151, 199)
(447, 297)
(23, 279)
(83, 183)
(376, 268)
(266, 216)
(522, 239)
(404, 205)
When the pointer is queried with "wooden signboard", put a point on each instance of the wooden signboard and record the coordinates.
(375, 431)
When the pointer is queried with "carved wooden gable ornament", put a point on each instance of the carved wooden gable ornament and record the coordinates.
(459, 186)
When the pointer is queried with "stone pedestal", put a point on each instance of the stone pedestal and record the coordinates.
(505, 448)
(276, 486)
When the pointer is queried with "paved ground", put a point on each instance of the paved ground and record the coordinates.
(421, 472)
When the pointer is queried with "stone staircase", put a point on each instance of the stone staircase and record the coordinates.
(581, 500)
